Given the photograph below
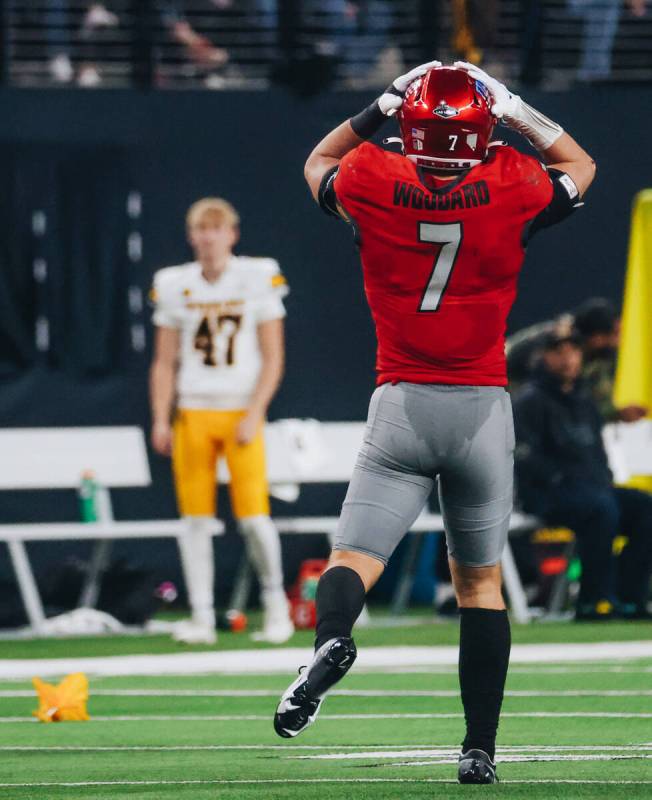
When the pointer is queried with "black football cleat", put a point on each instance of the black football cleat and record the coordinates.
(475, 766)
(302, 699)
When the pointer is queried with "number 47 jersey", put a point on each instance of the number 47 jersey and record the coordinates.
(440, 260)
(218, 323)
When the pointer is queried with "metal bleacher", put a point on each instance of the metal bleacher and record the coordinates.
(248, 44)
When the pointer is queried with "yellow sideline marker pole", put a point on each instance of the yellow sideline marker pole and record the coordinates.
(633, 384)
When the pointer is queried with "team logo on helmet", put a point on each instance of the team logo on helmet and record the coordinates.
(445, 111)
(482, 89)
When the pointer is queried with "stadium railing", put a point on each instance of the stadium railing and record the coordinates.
(237, 44)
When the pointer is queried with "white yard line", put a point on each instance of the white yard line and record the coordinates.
(450, 756)
(361, 751)
(240, 693)
(266, 717)
(284, 660)
(518, 759)
(267, 781)
(571, 669)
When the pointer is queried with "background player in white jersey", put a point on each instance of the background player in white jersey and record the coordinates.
(218, 361)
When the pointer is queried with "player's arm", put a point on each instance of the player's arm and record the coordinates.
(325, 158)
(271, 341)
(566, 155)
(328, 154)
(162, 387)
(559, 151)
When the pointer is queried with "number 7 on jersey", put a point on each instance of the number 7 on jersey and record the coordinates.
(449, 236)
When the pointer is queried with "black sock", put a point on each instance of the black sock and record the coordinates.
(485, 643)
(340, 598)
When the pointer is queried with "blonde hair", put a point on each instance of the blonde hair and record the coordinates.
(213, 211)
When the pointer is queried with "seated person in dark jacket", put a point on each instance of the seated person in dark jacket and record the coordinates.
(598, 324)
(563, 476)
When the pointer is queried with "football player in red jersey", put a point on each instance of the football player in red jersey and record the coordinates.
(442, 230)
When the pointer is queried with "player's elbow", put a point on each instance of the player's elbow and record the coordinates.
(584, 174)
(307, 171)
(312, 176)
(590, 168)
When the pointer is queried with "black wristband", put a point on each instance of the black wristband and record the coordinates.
(368, 121)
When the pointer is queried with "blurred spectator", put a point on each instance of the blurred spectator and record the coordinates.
(475, 23)
(97, 19)
(60, 32)
(563, 477)
(256, 19)
(99, 16)
(597, 324)
(56, 18)
(374, 19)
(600, 19)
(349, 32)
(524, 349)
(263, 22)
(199, 48)
(311, 43)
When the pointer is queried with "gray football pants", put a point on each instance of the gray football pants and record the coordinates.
(461, 436)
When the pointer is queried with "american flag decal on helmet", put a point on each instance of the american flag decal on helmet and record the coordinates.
(482, 89)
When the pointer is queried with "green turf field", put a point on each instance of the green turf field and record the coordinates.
(569, 730)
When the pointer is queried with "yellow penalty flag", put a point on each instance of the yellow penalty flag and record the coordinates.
(65, 702)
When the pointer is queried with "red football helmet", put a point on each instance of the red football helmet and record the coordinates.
(446, 120)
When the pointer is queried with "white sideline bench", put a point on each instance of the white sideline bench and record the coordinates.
(45, 458)
(298, 452)
(429, 523)
(54, 458)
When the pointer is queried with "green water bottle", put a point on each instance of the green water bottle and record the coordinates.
(574, 572)
(88, 496)
(309, 589)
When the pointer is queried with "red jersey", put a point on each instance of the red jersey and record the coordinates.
(441, 264)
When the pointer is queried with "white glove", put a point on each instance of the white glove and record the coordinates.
(505, 104)
(392, 98)
(515, 112)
